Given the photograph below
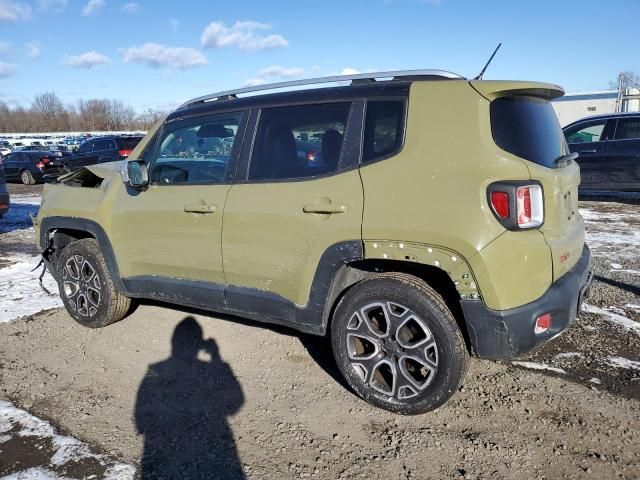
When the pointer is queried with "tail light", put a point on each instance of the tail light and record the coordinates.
(43, 162)
(543, 323)
(517, 205)
(311, 156)
(124, 153)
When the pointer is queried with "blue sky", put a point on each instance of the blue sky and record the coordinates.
(154, 54)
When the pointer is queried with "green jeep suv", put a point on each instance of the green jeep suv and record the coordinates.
(412, 217)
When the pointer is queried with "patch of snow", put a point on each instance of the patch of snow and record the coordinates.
(595, 380)
(569, 355)
(616, 318)
(632, 306)
(20, 292)
(622, 362)
(539, 366)
(617, 266)
(34, 474)
(626, 270)
(68, 449)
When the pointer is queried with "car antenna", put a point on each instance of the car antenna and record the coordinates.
(479, 77)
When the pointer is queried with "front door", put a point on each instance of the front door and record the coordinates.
(301, 197)
(169, 235)
(589, 139)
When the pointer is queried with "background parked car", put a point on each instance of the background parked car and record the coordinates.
(609, 148)
(4, 194)
(102, 149)
(29, 166)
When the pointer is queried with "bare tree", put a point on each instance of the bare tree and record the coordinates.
(629, 80)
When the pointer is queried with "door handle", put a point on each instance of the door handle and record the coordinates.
(588, 151)
(329, 208)
(200, 208)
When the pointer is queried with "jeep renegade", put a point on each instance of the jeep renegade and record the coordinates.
(413, 219)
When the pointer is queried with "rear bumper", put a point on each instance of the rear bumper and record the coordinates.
(508, 333)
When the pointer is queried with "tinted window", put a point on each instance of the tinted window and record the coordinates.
(383, 129)
(299, 141)
(85, 147)
(628, 129)
(528, 127)
(586, 132)
(196, 152)
(129, 143)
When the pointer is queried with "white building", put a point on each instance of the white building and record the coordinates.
(574, 106)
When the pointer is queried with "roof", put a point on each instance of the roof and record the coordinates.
(605, 116)
(596, 95)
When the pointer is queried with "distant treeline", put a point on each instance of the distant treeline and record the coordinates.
(48, 114)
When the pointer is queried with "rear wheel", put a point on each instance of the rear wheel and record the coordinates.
(397, 344)
(86, 287)
(27, 178)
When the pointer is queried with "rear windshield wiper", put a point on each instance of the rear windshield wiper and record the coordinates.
(564, 160)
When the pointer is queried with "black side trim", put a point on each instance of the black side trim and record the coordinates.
(508, 333)
(189, 293)
(48, 224)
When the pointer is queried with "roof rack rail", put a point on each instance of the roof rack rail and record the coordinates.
(434, 74)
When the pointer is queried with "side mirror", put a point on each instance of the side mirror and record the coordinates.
(138, 173)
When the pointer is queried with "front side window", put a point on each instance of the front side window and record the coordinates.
(383, 129)
(196, 152)
(299, 141)
(586, 133)
(85, 147)
(628, 129)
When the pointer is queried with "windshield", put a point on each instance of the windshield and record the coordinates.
(528, 127)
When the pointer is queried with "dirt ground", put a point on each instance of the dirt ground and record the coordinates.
(175, 392)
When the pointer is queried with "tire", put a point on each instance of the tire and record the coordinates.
(27, 178)
(86, 287)
(397, 344)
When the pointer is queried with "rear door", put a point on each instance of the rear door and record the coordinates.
(590, 140)
(624, 155)
(287, 209)
(11, 164)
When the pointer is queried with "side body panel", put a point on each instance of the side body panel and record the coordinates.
(272, 245)
(433, 194)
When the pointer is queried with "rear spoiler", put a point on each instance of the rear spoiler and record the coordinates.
(492, 89)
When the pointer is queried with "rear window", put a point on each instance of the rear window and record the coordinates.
(528, 128)
(129, 143)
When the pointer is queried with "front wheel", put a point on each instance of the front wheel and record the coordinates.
(86, 287)
(397, 344)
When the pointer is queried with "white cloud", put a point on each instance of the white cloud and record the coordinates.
(11, 11)
(246, 36)
(131, 7)
(5, 48)
(254, 82)
(349, 71)
(34, 49)
(158, 56)
(174, 24)
(87, 60)
(276, 71)
(6, 70)
(93, 7)
(55, 6)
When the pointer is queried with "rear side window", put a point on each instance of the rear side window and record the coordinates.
(628, 129)
(383, 131)
(528, 127)
(129, 143)
(299, 141)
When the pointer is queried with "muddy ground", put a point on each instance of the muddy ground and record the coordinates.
(173, 393)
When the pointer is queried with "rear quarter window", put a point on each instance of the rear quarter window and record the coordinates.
(528, 127)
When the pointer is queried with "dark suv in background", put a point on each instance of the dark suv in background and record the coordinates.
(102, 149)
(4, 194)
(609, 148)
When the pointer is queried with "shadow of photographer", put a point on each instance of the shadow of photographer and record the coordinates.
(182, 409)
